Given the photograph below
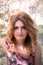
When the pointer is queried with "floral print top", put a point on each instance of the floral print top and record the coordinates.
(14, 58)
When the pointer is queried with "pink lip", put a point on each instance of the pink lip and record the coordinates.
(20, 35)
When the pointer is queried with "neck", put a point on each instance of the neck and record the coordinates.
(20, 43)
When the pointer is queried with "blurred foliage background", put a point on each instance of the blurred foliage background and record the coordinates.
(8, 7)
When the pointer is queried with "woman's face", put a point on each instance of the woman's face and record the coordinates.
(20, 31)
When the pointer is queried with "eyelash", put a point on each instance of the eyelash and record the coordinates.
(23, 27)
(17, 28)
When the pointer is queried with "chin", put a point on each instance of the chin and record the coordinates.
(20, 39)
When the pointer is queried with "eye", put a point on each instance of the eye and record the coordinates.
(15, 28)
(24, 27)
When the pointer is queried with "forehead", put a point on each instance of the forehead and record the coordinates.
(19, 23)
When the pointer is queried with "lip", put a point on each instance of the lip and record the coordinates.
(20, 35)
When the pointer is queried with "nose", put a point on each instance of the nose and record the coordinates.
(20, 30)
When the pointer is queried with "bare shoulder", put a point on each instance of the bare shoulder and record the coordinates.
(38, 50)
(2, 41)
(38, 44)
(38, 53)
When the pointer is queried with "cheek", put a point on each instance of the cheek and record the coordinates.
(14, 33)
(25, 33)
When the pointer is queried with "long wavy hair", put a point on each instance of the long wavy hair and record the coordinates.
(30, 25)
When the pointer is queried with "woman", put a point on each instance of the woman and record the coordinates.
(21, 45)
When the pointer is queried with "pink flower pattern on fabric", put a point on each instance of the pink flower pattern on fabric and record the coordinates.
(14, 58)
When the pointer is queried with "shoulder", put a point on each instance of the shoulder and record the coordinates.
(38, 53)
(2, 42)
(38, 46)
(38, 43)
(38, 49)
